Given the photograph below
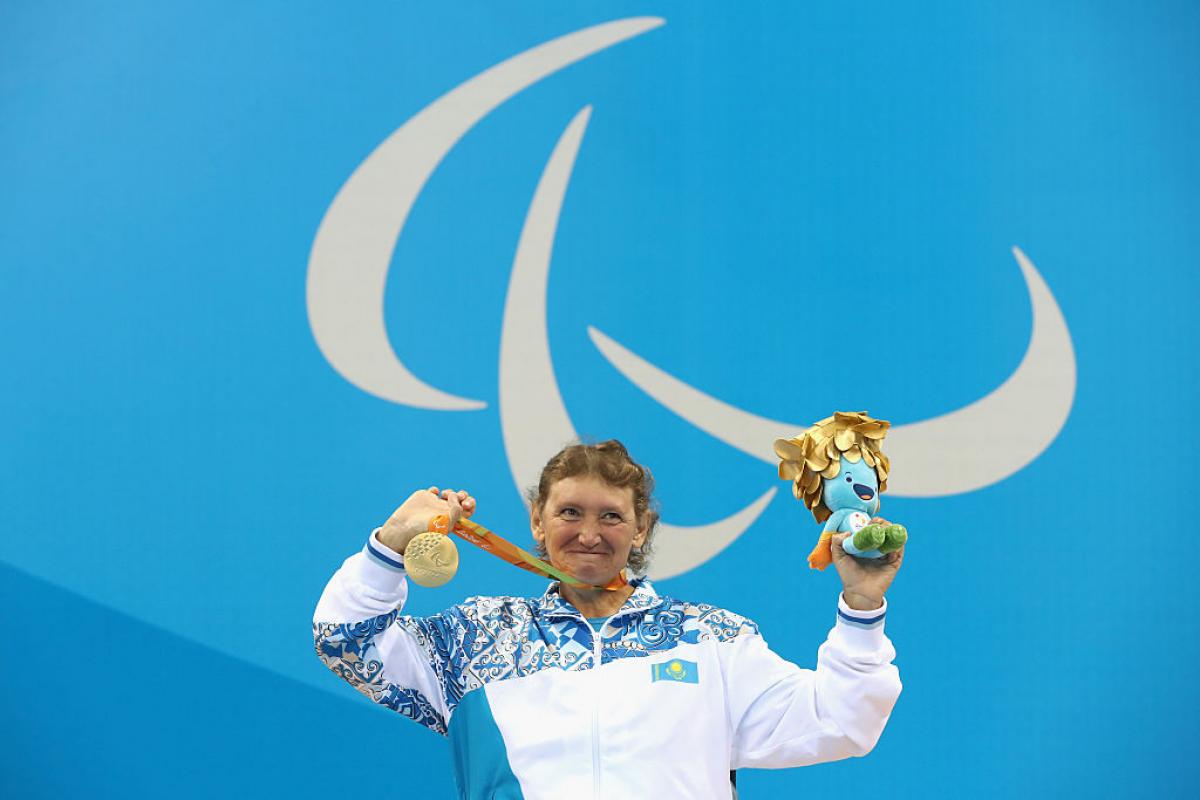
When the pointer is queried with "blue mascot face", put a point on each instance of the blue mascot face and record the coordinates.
(855, 487)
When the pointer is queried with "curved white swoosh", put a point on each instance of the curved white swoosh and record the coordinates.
(1003, 431)
(348, 265)
(533, 419)
(976, 446)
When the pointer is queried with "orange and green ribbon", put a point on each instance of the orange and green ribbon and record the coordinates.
(500, 547)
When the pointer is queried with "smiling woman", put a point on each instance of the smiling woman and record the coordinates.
(589, 529)
(610, 466)
(591, 515)
(584, 691)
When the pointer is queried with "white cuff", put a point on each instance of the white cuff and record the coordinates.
(861, 630)
(383, 567)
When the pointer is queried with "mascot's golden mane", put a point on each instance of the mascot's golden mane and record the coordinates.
(818, 452)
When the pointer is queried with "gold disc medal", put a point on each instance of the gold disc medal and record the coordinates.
(431, 559)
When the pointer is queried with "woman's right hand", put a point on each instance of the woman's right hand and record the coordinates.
(414, 514)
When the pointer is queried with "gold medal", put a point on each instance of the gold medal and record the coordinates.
(431, 559)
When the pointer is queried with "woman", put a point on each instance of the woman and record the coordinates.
(623, 692)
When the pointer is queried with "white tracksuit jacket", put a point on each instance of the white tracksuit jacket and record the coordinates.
(666, 700)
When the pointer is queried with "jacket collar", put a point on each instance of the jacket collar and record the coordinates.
(551, 604)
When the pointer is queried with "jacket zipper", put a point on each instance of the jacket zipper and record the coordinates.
(596, 647)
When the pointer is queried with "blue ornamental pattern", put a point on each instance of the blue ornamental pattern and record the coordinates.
(349, 651)
(488, 639)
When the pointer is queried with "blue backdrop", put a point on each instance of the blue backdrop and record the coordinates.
(792, 207)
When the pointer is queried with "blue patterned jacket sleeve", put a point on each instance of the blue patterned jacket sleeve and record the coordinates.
(360, 635)
(353, 652)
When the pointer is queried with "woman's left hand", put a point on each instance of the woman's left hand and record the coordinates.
(865, 580)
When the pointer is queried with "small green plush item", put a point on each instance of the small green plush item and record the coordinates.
(884, 538)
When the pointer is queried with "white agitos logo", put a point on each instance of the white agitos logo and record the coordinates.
(347, 273)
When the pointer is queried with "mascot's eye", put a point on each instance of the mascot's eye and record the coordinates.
(849, 479)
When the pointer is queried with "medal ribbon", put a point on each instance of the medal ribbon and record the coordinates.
(501, 548)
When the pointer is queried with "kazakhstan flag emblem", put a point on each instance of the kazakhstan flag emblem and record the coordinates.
(676, 670)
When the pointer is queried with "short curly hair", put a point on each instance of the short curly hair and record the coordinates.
(610, 462)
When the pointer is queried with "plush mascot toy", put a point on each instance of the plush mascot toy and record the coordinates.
(838, 471)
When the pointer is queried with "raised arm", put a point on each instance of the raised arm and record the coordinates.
(785, 716)
(358, 633)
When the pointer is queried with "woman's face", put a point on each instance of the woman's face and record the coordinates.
(588, 528)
